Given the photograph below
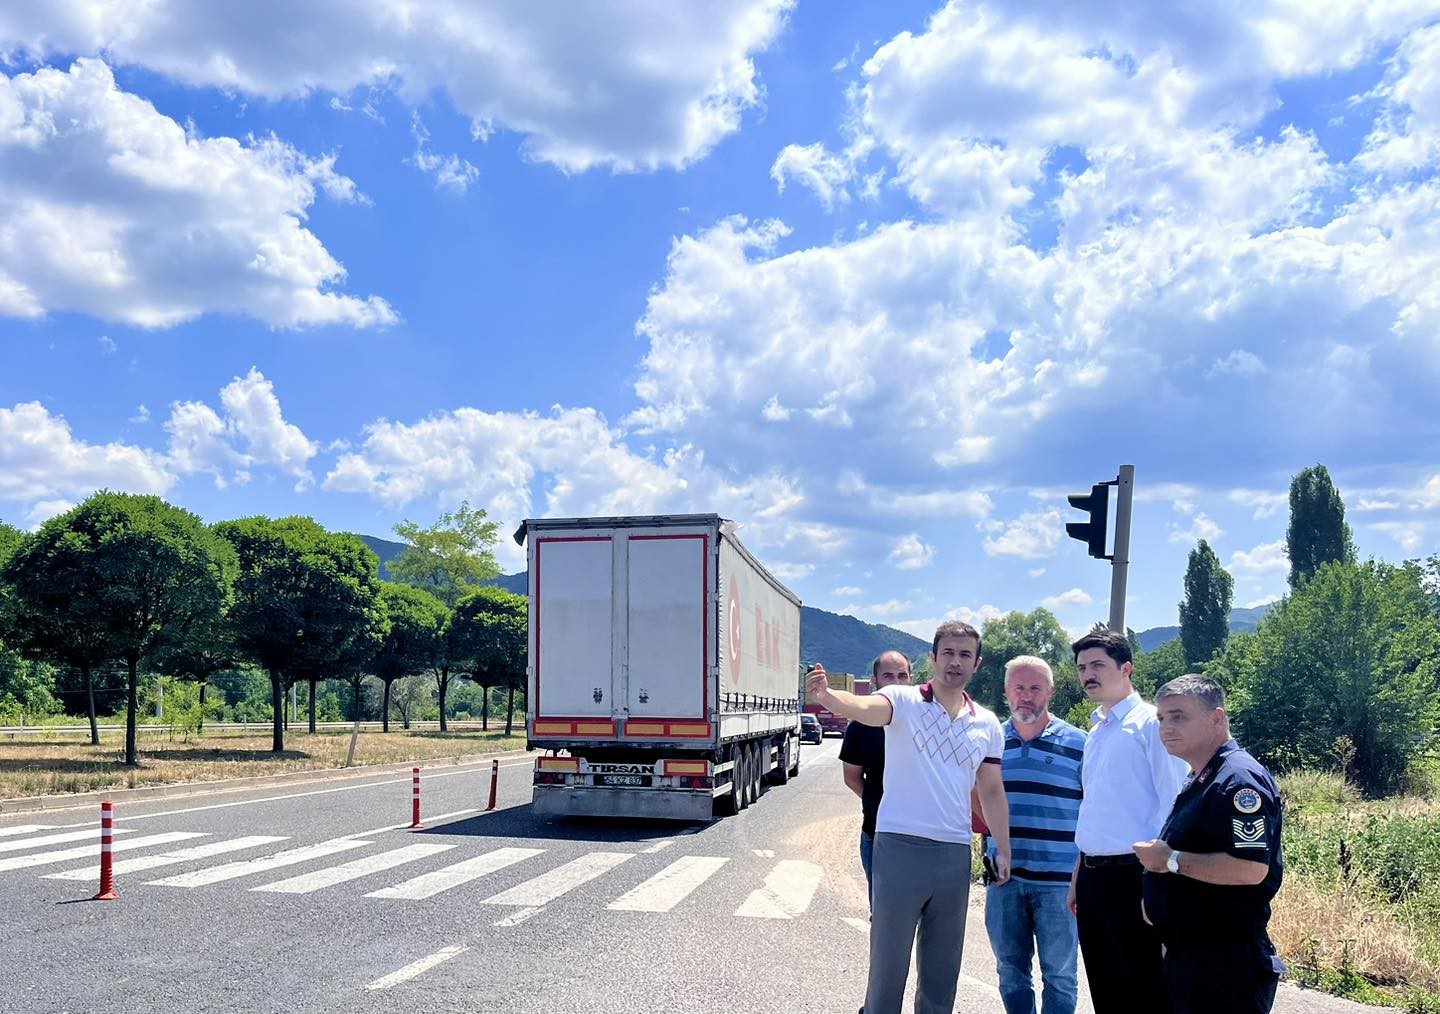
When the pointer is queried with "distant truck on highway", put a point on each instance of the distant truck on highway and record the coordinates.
(664, 673)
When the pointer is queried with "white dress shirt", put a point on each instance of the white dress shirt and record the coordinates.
(1129, 778)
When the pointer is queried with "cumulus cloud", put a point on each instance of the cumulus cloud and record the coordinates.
(451, 172)
(1073, 597)
(849, 591)
(113, 209)
(1239, 363)
(1263, 504)
(911, 553)
(251, 433)
(1201, 527)
(925, 628)
(1268, 558)
(572, 85)
(1029, 537)
(42, 460)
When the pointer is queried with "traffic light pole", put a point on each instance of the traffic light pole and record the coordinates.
(1120, 562)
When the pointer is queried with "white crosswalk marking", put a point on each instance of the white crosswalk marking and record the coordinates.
(214, 848)
(329, 877)
(6, 832)
(245, 867)
(92, 833)
(429, 884)
(92, 851)
(670, 886)
(788, 890)
(417, 968)
(548, 886)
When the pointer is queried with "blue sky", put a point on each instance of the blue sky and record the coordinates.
(883, 283)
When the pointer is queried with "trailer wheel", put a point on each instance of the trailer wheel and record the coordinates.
(782, 769)
(758, 752)
(742, 776)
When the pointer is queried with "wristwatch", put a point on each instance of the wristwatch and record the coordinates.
(1173, 862)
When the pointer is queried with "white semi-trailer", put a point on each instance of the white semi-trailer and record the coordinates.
(664, 675)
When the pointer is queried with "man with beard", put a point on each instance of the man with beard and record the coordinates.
(1130, 781)
(1210, 875)
(862, 755)
(1028, 913)
(938, 745)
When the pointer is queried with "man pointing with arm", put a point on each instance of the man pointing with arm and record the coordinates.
(938, 745)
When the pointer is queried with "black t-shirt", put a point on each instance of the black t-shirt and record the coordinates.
(865, 745)
(1231, 806)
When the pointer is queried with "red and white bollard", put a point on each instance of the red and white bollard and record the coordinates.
(414, 798)
(107, 837)
(494, 782)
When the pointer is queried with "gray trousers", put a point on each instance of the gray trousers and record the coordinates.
(925, 885)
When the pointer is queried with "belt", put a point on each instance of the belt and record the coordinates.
(1123, 859)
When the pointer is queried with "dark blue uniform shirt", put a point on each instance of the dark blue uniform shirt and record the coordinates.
(1232, 805)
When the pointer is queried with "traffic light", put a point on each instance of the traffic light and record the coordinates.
(1097, 504)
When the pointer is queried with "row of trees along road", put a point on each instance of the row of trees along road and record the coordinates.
(137, 580)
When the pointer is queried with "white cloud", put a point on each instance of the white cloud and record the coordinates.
(1264, 600)
(1030, 536)
(774, 411)
(1407, 132)
(879, 609)
(43, 510)
(1036, 572)
(1073, 597)
(41, 460)
(107, 345)
(451, 172)
(1408, 535)
(1368, 504)
(142, 414)
(925, 628)
(846, 592)
(1264, 504)
(811, 165)
(1429, 494)
(603, 85)
(911, 553)
(1268, 558)
(111, 208)
(252, 433)
(1239, 363)
(1201, 527)
(915, 503)
(791, 571)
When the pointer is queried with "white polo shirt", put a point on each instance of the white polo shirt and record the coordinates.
(1130, 780)
(931, 763)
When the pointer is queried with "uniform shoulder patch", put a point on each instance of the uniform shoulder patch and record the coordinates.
(1247, 800)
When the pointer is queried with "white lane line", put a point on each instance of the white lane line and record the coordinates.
(527, 763)
(670, 886)
(429, 884)
(6, 832)
(92, 851)
(517, 918)
(416, 968)
(547, 887)
(245, 867)
(863, 925)
(428, 821)
(354, 870)
(659, 846)
(214, 848)
(92, 832)
(788, 891)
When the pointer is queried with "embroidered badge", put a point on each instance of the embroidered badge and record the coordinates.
(1247, 800)
(1249, 834)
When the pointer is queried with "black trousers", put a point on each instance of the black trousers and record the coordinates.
(1121, 951)
(1237, 977)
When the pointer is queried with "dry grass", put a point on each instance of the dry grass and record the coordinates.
(1313, 922)
(57, 764)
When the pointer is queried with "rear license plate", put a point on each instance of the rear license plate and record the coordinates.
(640, 780)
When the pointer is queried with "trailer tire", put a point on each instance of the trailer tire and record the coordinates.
(782, 769)
(744, 791)
(759, 751)
(732, 802)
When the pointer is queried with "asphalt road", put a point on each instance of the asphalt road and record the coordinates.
(501, 911)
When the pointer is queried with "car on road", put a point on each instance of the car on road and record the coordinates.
(810, 731)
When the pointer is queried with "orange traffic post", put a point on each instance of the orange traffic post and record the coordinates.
(415, 798)
(494, 782)
(107, 837)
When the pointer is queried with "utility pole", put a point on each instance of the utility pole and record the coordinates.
(1092, 532)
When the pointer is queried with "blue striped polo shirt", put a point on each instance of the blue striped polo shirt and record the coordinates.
(1042, 786)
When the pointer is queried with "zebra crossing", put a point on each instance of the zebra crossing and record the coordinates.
(786, 890)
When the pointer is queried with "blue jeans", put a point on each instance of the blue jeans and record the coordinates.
(867, 851)
(1022, 916)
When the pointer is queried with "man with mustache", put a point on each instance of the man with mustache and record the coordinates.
(862, 755)
(1211, 873)
(1028, 914)
(1130, 781)
(938, 745)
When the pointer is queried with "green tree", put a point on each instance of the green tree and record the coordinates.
(135, 570)
(416, 622)
(1153, 669)
(1318, 533)
(1035, 633)
(1355, 653)
(492, 627)
(1205, 609)
(451, 557)
(414, 698)
(305, 600)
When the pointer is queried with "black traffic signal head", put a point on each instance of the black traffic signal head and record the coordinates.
(1097, 504)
